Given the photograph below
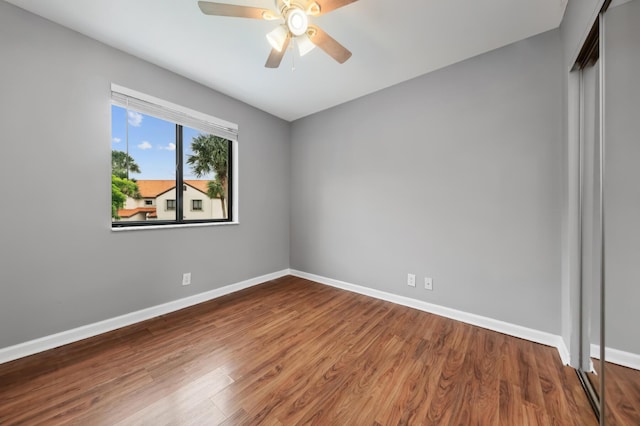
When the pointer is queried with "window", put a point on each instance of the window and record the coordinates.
(158, 147)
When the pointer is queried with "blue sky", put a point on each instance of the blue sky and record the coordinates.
(151, 143)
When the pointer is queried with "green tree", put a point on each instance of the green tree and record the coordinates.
(210, 155)
(215, 189)
(121, 188)
(122, 163)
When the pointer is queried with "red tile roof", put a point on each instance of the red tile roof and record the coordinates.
(153, 188)
(133, 212)
(200, 185)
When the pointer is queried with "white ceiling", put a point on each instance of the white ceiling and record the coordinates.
(391, 41)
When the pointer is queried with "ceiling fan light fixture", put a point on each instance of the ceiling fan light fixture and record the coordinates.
(277, 37)
(305, 45)
(297, 21)
(294, 29)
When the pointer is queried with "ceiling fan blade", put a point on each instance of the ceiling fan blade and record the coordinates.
(320, 7)
(275, 57)
(327, 43)
(222, 9)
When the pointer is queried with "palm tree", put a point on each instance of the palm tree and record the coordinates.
(210, 155)
(215, 189)
(122, 163)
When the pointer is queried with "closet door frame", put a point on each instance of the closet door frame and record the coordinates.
(592, 52)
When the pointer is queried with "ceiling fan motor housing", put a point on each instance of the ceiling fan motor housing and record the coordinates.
(297, 20)
(295, 16)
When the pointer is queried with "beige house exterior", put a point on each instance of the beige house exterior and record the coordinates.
(158, 202)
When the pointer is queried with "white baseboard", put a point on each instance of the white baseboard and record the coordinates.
(563, 350)
(521, 332)
(59, 339)
(616, 356)
(55, 340)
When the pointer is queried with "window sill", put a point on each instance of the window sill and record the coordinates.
(178, 225)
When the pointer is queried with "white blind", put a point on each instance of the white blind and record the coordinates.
(168, 111)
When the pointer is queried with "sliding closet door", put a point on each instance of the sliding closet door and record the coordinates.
(622, 213)
(590, 224)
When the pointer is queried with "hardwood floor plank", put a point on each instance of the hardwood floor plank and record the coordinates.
(186, 405)
(447, 388)
(319, 355)
(550, 377)
(292, 351)
(623, 396)
(509, 403)
(340, 375)
(479, 402)
(351, 389)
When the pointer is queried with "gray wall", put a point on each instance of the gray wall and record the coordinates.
(454, 175)
(61, 265)
(622, 184)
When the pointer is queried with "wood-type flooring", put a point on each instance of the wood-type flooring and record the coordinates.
(622, 394)
(290, 352)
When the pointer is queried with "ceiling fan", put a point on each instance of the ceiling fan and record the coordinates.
(296, 27)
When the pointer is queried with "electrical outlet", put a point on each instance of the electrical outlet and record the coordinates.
(428, 283)
(186, 278)
(411, 280)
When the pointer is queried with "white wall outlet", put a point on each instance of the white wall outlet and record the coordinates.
(411, 280)
(428, 283)
(186, 278)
